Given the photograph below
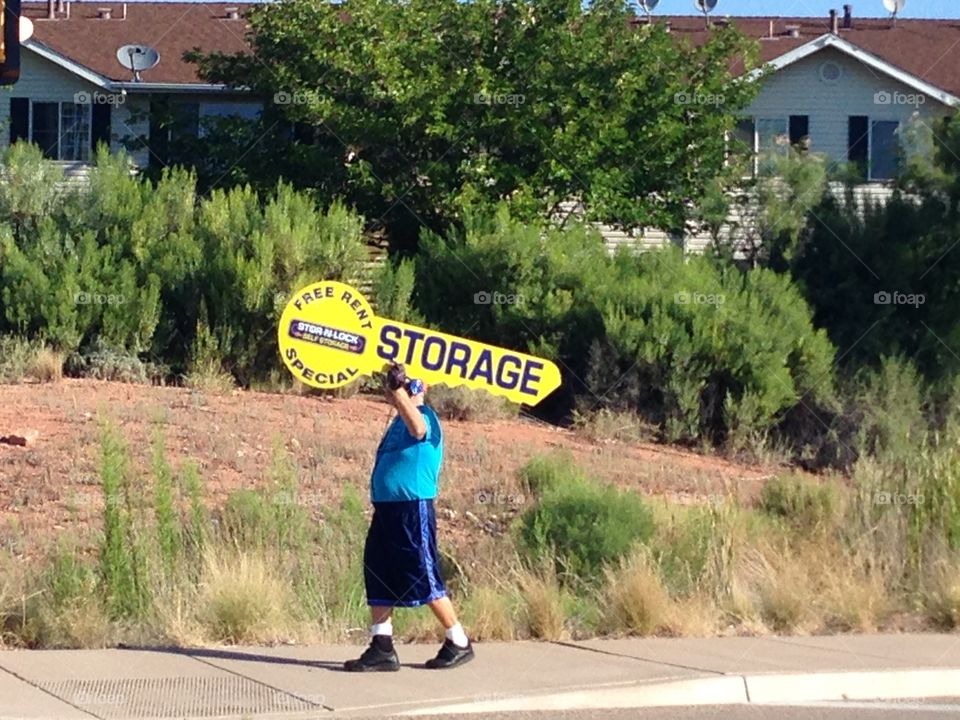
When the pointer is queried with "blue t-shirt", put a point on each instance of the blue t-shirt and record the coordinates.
(407, 468)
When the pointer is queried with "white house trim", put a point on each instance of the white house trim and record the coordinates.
(833, 41)
(132, 87)
(68, 64)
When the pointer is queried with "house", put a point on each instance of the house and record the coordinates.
(73, 92)
(846, 86)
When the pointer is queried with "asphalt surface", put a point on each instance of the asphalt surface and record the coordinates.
(941, 708)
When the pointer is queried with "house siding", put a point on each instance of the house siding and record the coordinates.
(43, 81)
(798, 90)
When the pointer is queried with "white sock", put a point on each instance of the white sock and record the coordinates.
(382, 628)
(457, 636)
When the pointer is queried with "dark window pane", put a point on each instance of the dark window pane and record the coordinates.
(799, 128)
(885, 149)
(858, 142)
(46, 128)
(19, 119)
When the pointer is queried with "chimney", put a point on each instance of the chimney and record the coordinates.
(67, 4)
(848, 17)
(793, 30)
(834, 24)
(51, 10)
(104, 13)
(59, 6)
(770, 34)
(667, 25)
(123, 16)
(233, 13)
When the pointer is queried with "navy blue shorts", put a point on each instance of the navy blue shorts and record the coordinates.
(401, 565)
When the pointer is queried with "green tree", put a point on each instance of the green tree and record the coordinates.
(412, 111)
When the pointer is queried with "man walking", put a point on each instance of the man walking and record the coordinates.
(400, 558)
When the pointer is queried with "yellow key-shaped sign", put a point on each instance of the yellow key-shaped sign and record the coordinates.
(329, 337)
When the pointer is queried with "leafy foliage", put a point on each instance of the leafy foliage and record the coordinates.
(131, 269)
(413, 111)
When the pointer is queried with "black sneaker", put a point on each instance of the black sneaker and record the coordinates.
(450, 656)
(379, 657)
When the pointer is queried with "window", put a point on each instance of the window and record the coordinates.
(772, 139)
(884, 149)
(754, 138)
(874, 147)
(61, 129)
(799, 129)
(239, 110)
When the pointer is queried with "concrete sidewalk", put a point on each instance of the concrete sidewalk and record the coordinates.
(288, 682)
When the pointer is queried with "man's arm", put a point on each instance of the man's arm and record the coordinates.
(410, 413)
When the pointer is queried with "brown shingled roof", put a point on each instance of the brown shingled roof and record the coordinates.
(172, 28)
(928, 49)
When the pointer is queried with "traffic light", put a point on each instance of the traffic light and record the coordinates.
(9, 42)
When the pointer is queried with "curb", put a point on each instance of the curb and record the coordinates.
(730, 690)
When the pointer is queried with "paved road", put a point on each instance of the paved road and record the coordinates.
(934, 709)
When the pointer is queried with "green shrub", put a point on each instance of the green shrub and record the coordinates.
(697, 349)
(543, 473)
(584, 527)
(805, 503)
(137, 267)
(393, 286)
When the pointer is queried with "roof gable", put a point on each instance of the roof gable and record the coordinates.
(878, 64)
(87, 45)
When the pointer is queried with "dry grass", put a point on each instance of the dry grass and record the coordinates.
(243, 599)
(636, 600)
(209, 378)
(488, 613)
(46, 365)
(545, 616)
(462, 403)
(605, 425)
(942, 598)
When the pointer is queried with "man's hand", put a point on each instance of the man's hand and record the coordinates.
(397, 396)
(396, 376)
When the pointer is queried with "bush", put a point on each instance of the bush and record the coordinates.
(584, 526)
(544, 473)
(137, 267)
(698, 350)
(805, 503)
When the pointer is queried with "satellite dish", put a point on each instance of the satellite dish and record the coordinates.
(705, 6)
(648, 5)
(894, 7)
(137, 58)
(26, 28)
